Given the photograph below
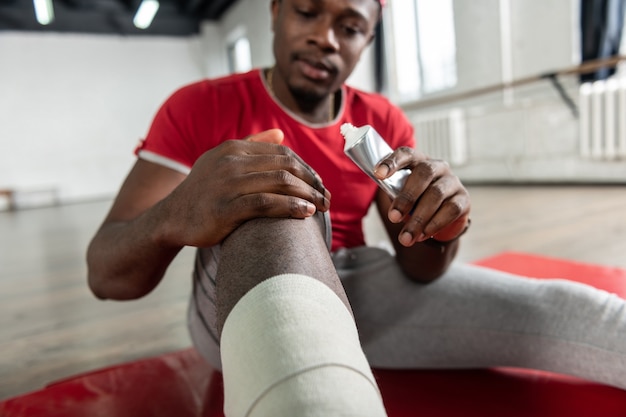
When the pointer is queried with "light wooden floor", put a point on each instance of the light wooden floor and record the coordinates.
(51, 327)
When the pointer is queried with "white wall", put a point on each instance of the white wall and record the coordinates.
(544, 35)
(210, 53)
(72, 107)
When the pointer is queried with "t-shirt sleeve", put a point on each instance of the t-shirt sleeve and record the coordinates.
(171, 139)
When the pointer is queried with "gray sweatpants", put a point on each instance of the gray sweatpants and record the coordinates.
(472, 317)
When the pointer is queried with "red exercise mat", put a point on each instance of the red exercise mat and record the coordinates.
(180, 384)
(607, 278)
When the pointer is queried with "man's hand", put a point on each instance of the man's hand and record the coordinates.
(432, 203)
(240, 180)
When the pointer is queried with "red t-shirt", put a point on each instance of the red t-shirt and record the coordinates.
(200, 116)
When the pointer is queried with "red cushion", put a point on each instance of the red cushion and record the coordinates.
(181, 384)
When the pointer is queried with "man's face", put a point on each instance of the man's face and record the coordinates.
(317, 43)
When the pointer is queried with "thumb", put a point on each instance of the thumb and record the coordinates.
(275, 136)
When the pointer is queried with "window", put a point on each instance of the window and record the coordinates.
(423, 47)
(621, 68)
(239, 59)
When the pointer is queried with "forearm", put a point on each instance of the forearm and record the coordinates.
(427, 216)
(423, 261)
(127, 259)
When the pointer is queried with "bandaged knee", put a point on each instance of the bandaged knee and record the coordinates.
(290, 348)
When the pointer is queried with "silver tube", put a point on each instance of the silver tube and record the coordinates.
(366, 148)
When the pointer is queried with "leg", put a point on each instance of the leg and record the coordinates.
(289, 344)
(263, 248)
(475, 317)
(202, 314)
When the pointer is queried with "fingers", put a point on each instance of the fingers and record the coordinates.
(239, 180)
(262, 179)
(282, 182)
(433, 201)
(402, 157)
(276, 137)
(422, 176)
(275, 160)
(273, 205)
(443, 219)
(256, 156)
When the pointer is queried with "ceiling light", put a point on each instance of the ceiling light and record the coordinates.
(146, 12)
(44, 12)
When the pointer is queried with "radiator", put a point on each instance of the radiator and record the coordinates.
(603, 119)
(442, 135)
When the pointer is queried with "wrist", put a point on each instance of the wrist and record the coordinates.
(164, 226)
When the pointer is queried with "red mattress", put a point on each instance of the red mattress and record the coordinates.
(180, 384)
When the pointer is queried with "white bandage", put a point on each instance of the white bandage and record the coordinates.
(290, 348)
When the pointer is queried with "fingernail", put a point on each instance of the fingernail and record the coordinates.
(406, 239)
(395, 216)
(423, 237)
(381, 171)
(309, 209)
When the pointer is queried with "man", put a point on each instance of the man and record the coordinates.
(192, 185)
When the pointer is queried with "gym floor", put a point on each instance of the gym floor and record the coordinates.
(52, 327)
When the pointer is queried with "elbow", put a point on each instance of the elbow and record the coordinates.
(96, 281)
(97, 289)
(109, 285)
(99, 285)
(118, 289)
